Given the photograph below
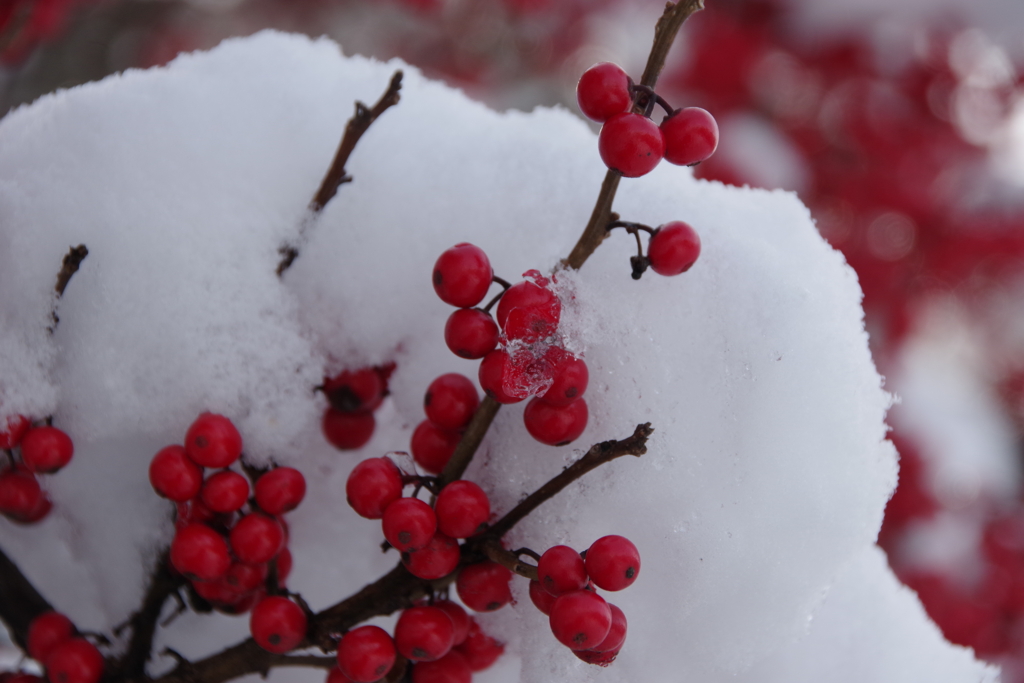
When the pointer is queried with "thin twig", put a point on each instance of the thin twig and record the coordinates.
(336, 174)
(72, 260)
(20, 602)
(475, 432)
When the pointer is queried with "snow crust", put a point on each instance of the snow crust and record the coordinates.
(765, 479)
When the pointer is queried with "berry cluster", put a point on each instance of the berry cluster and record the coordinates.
(31, 451)
(353, 395)
(521, 352)
(230, 543)
(632, 143)
(67, 657)
(565, 591)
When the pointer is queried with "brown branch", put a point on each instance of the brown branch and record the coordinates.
(20, 602)
(475, 433)
(162, 585)
(72, 260)
(336, 174)
(508, 559)
(664, 35)
(599, 454)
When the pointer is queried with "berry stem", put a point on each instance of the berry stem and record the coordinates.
(664, 35)
(508, 559)
(505, 285)
(336, 174)
(475, 432)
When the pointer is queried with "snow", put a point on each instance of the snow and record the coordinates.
(755, 508)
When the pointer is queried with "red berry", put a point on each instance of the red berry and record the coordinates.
(277, 624)
(561, 570)
(462, 509)
(471, 333)
(335, 675)
(21, 677)
(409, 524)
(12, 429)
(541, 599)
(76, 660)
(257, 538)
(484, 587)
(213, 441)
(555, 425)
(280, 490)
(40, 510)
(355, 391)
(241, 604)
(243, 578)
(580, 620)
(631, 144)
(493, 370)
(366, 654)
(613, 563)
(569, 380)
(424, 634)
(691, 136)
(373, 484)
(462, 275)
(480, 650)
(616, 634)
(450, 401)
(45, 450)
(603, 92)
(19, 494)
(173, 474)
(528, 310)
(216, 592)
(433, 446)
(599, 658)
(673, 248)
(452, 668)
(438, 558)
(199, 552)
(225, 491)
(460, 620)
(347, 431)
(47, 631)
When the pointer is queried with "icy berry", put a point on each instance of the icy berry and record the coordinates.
(409, 524)
(569, 380)
(480, 649)
(424, 634)
(355, 391)
(484, 586)
(631, 144)
(528, 310)
(199, 552)
(493, 370)
(462, 275)
(613, 563)
(540, 598)
(47, 631)
(257, 538)
(555, 425)
(277, 624)
(76, 660)
(452, 668)
(280, 490)
(438, 558)
(213, 441)
(12, 429)
(373, 485)
(450, 401)
(347, 431)
(433, 446)
(462, 509)
(561, 570)
(470, 333)
(366, 654)
(173, 474)
(603, 92)
(673, 248)
(460, 620)
(45, 450)
(19, 493)
(691, 136)
(580, 620)
(225, 491)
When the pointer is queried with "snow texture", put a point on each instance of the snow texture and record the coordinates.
(765, 479)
